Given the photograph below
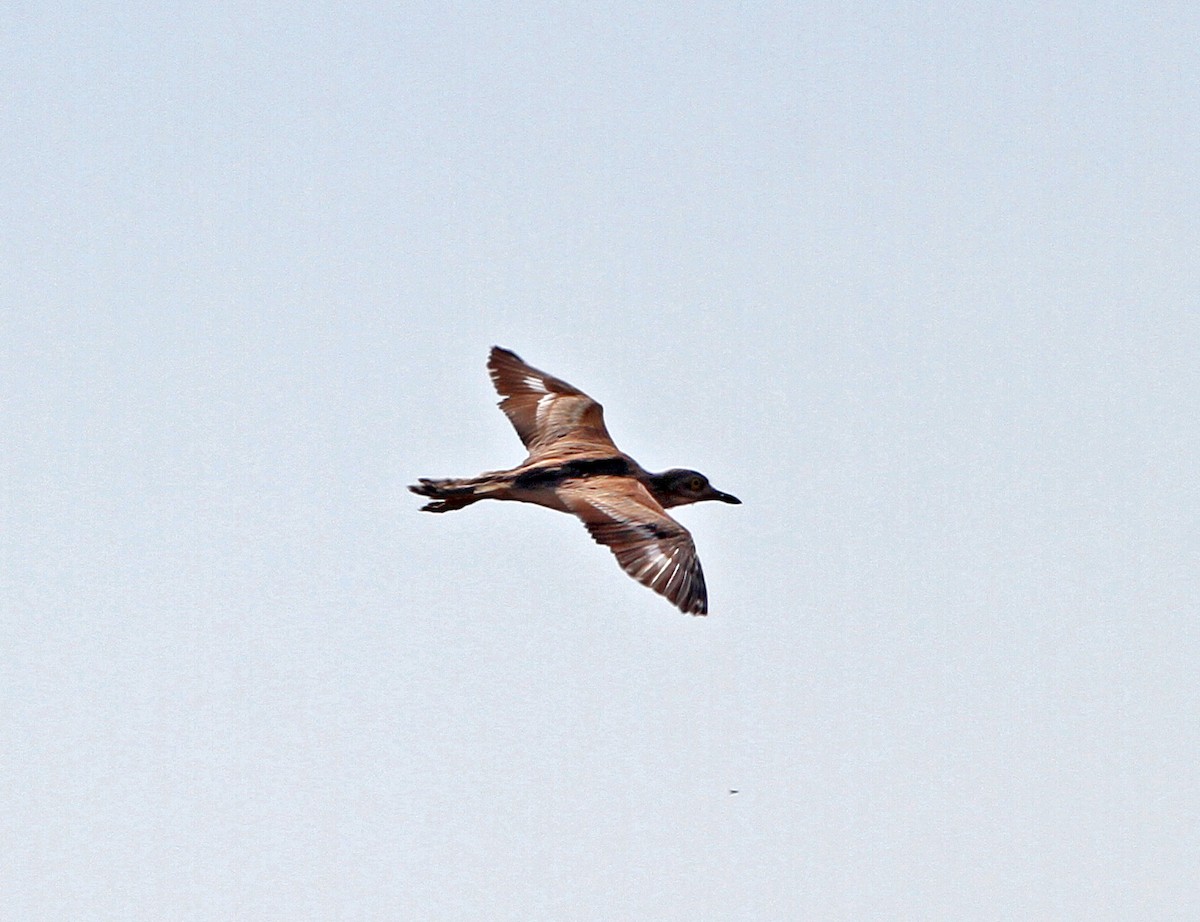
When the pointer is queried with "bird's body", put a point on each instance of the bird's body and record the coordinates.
(575, 467)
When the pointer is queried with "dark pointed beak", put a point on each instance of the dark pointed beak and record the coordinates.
(725, 497)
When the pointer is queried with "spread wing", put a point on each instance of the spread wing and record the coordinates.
(549, 414)
(649, 545)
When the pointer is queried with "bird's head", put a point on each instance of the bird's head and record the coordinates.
(679, 486)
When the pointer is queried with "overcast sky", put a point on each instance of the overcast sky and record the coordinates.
(917, 282)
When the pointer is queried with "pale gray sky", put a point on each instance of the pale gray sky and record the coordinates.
(917, 282)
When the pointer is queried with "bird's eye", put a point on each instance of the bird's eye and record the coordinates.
(696, 484)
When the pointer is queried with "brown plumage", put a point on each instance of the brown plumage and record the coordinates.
(574, 466)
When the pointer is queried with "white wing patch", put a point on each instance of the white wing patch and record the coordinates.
(537, 385)
(543, 408)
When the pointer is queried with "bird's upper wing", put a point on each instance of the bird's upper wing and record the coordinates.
(649, 545)
(549, 414)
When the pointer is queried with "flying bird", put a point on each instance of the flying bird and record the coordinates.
(575, 467)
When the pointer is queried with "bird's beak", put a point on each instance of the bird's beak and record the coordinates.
(724, 497)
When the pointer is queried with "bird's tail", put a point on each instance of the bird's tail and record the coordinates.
(450, 493)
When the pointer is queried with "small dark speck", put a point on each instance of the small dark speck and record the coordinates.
(732, 791)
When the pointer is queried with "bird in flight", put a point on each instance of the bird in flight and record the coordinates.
(574, 467)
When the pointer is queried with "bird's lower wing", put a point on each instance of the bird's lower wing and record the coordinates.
(649, 545)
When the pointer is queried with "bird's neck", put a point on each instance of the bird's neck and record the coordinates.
(660, 487)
